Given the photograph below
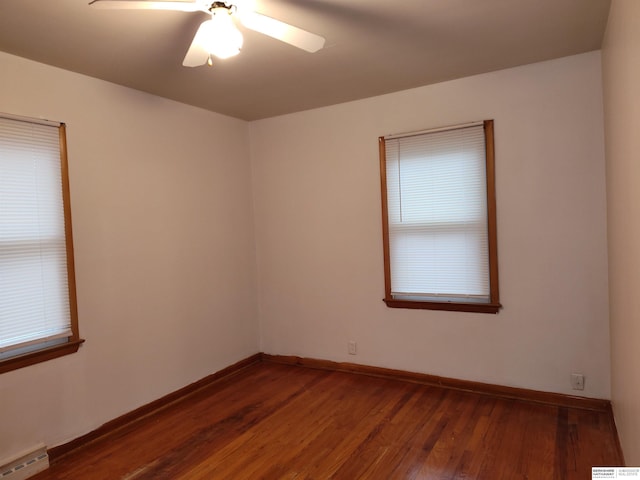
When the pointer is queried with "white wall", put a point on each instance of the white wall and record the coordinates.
(164, 250)
(318, 229)
(621, 72)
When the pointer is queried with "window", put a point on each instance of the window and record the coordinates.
(38, 315)
(439, 219)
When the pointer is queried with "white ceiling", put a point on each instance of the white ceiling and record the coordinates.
(373, 47)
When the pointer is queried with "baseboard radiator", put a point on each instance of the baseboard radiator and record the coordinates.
(25, 465)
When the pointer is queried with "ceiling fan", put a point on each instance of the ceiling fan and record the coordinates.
(219, 36)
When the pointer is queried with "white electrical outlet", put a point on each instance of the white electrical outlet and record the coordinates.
(353, 349)
(577, 381)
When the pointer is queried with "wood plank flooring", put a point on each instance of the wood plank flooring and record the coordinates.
(273, 421)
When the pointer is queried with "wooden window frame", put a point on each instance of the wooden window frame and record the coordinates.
(73, 342)
(493, 306)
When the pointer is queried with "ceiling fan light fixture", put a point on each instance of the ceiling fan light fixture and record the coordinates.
(219, 36)
(223, 39)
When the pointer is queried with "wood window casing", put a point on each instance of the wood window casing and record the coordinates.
(493, 304)
(73, 341)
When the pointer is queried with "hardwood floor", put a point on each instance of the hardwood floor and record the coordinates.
(273, 421)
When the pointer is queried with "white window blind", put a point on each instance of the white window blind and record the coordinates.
(34, 294)
(437, 216)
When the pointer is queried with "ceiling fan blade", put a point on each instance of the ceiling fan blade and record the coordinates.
(142, 5)
(197, 54)
(281, 31)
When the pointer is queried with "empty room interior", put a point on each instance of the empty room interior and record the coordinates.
(233, 312)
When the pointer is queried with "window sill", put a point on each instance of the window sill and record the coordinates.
(449, 306)
(43, 355)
